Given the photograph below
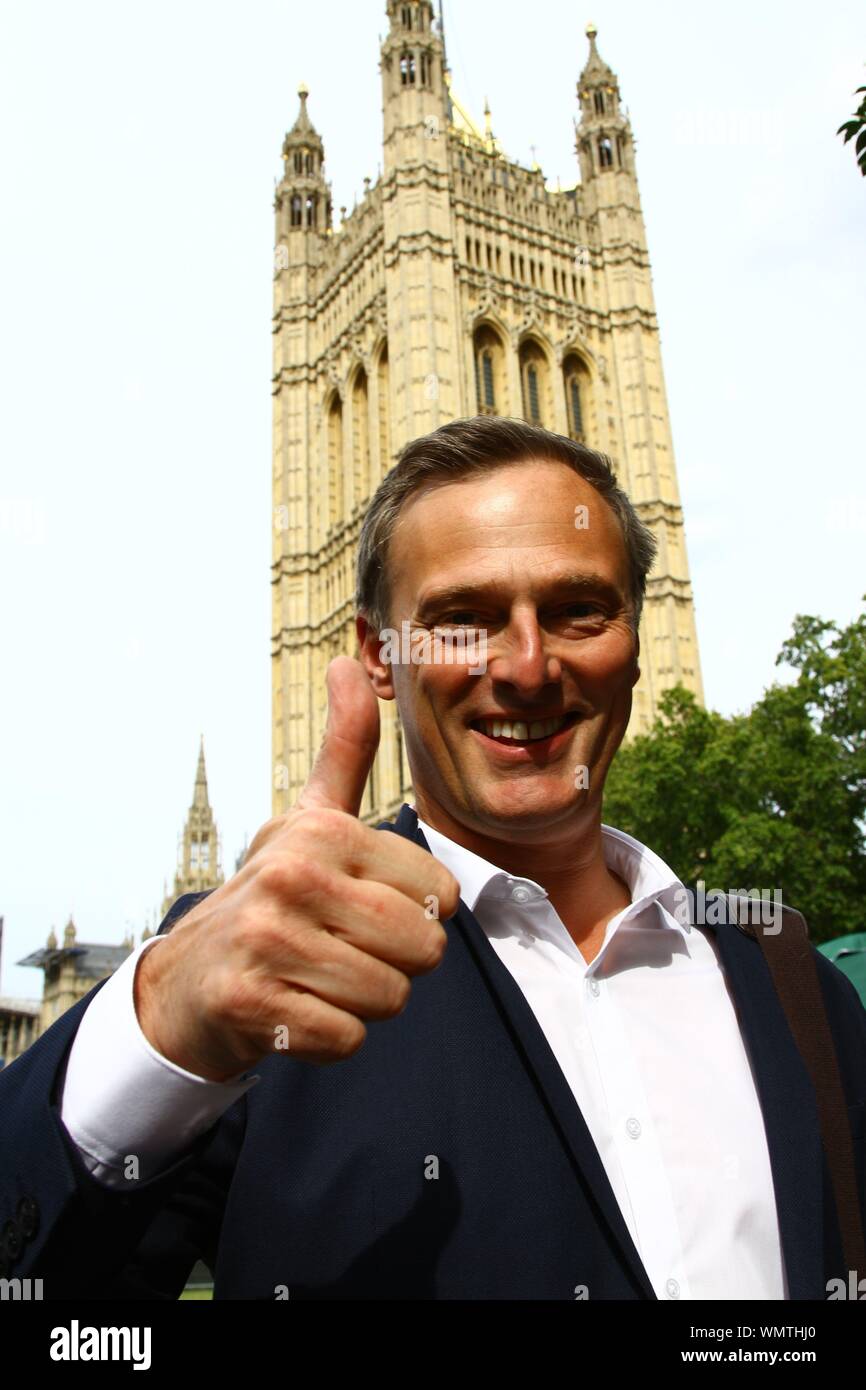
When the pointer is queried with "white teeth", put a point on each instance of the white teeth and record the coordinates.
(539, 728)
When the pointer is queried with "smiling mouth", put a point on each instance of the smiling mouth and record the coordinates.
(519, 732)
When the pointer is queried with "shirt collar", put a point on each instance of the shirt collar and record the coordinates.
(647, 877)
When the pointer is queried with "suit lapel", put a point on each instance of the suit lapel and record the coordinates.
(537, 1055)
(787, 1100)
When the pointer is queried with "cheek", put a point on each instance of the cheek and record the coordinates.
(429, 692)
(441, 687)
(606, 662)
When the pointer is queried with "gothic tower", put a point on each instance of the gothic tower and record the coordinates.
(198, 857)
(460, 284)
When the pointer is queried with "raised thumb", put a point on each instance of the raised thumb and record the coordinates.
(339, 774)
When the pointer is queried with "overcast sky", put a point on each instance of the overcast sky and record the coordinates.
(140, 143)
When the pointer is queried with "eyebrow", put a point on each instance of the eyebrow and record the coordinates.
(575, 584)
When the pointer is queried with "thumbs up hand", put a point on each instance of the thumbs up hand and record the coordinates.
(320, 930)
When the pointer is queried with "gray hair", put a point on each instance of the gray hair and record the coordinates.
(466, 448)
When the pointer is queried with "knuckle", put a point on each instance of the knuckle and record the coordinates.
(291, 876)
(277, 875)
(346, 1037)
(321, 823)
(435, 941)
(395, 993)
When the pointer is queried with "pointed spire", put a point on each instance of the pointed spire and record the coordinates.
(198, 865)
(595, 68)
(303, 132)
(199, 796)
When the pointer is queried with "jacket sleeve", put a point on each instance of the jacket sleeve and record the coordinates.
(82, 1238)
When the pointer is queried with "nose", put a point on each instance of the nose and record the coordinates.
(519, 656)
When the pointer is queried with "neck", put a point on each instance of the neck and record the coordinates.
(573, 871)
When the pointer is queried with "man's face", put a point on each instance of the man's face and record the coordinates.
(513, 553)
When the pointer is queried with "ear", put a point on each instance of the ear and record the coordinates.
(370, 654)
(636, 676)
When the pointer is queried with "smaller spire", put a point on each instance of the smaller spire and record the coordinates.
(303, 132)
(51, 943)
(69, 933)
(199, 797)
(595, 66)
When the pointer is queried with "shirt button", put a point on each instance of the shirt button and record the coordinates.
(520, 894)
(594, 988)
(672, 1288)
(632, 1127)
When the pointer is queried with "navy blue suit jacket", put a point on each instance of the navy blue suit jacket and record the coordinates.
(314, 1183)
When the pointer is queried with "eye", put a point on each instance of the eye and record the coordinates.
(585, 610)
(459, 618)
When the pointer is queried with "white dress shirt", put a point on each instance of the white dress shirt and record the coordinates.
(646, 1036)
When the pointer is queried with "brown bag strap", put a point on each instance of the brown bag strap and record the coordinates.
(788, 953)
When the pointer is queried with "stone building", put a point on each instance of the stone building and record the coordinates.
(461, 283)
(72, 969)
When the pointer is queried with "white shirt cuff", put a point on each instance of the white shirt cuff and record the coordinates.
(130, 1111)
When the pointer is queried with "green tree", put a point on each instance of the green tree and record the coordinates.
(775, 798)
(856, 125)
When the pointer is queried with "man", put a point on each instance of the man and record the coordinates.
(563, 1091)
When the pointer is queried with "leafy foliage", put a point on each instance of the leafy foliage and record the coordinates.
(775, 798)
(856, 126)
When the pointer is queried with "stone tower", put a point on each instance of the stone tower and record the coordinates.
(198, 857)
(460, 284)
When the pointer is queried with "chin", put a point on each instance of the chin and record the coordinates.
(530, 809)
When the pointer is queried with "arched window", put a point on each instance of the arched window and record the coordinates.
(311, 210)
(297, 211)
(360, 438)
(599, 103)
(335, 460)
(535, 379)
(484, 382)
(576, 380)
(605, 152)
(425, 69)
(490, 377)
(575, 410)
(406, 16)
(532, 394)
(407, 69)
